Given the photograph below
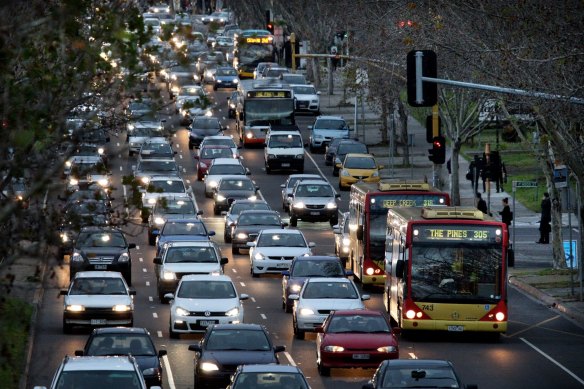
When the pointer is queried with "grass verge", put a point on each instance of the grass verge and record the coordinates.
(15, 319)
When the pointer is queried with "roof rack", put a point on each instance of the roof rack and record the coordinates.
(452, 213)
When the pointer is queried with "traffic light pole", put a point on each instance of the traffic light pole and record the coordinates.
(435, 133)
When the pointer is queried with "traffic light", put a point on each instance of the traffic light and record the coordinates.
(270, 27)
(437, 153)
(430, 129)
(428, 95)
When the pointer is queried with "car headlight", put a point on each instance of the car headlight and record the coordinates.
(299, 156)
(131, 127)
(387, 349)
(331, 205)
(145, 180)
(375, 174)
(103, 182)
(334, 349)
(151, 201)
(181, 312)
(298, 205)
(100, 151)
(306, 312)
(121, 308)
(346, 241)
(73, 181)
(232, 312)
(241, 235)
(236, 81)
(159, 221)
(168, 275)
(124, 257)
(173, 77)
(68, 163)
(209, 366)
(220, 197)
(209, 113)
(75, 308)
(253, 198)
(76, 257)
(218, 81)
(259, 256)
(271, 156)
(295, 288)
(344, 173)
(212, 183)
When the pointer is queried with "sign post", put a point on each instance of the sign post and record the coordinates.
(520, 184)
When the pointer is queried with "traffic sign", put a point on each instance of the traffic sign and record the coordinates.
(524, 184)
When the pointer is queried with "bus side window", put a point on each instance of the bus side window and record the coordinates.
(388, 251)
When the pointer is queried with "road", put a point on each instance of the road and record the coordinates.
(540, 350)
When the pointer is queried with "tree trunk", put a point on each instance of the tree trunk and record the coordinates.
(403, 117)
(454, 177)
(384, 114)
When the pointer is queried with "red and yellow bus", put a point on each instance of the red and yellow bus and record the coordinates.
(368, 207)
(251, 47)
(446, 270)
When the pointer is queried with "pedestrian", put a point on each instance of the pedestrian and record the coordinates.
(506, 214)
(546, 217)
(497, 170)
(474, 172)
(482, 204)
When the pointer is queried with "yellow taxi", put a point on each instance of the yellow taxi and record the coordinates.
(358, 167)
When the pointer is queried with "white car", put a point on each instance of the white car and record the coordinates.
(163, 186)
(274, 250)
(222, 140)
(202, 300)
(307, 98)
(220, 167)
(97, 298)
(318, 297)
(288, 186)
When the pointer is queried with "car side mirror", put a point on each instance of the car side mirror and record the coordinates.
(368, 385)
(132, 246)
(157, 260)
(311, 244)
(284, 225)
(224, 261)
(336, 229)
(250, 244)
(132, 291)
(282, 186)
(286, 273)
(223, 213)
(360, 232)
(318, 93)
(309, 127)
(199, 213)
(247, 172)
(211, 233)
(348, 272)
(257, 188)
(337, 195)
(319, 329)
(243, 296)
(290, 195)
(399, 269)
(195, 347)
(279, 349)
(79, 353)
(162, 353)
(365, 297)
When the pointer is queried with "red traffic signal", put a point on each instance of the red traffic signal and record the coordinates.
(270, 28)
(437, 153)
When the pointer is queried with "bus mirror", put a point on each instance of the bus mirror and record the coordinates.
(399, 269)
(510, 258)
(360, 232)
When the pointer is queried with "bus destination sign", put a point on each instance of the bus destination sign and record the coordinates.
(271, 94)
(384, 201)
(467, 233)
(258, 39)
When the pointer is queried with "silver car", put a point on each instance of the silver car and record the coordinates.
(289, 185)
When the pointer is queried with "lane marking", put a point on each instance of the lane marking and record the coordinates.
(147, 283)
(121, 168)
(150, 298)
(319, 171)
(263, 316)
(412, 356)
(145, 270)
(141, 259)
(234, 270)
(534, 326)
(169, 375)
(155, 315)
(159, 333)
(581, 381)
(252, 299)
(242, 284)
(289, 358)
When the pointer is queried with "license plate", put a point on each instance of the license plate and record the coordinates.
(96, 322)
(315, 213)
(100, 267)
(360, 356)
(456, 328)
(285, 164)
(204, 323)
(281, 265)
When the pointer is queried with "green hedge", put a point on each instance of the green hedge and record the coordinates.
(15, 317)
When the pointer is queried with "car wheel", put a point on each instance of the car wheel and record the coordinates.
(173, 334)
(323, 371)
(234, 250)
(268, 170)
(335, 172)
(298, 334)
(311, 149)
(334, 221)
(67, 328)
(287, 308)
(226, 238)
(293, 221)
(214, 88)
(151, 239)
(128, 277)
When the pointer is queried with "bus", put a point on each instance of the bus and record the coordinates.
(263, 105)
(446, 270)
(251, 47)
(368, 205)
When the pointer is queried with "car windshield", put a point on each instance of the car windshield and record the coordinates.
(157, 166)
(191, 91)
(205, 123)
(236, 209)
(358, 323)
(190, 255)
(144, 132)
(316, 268)
(166, 186)
(329, 290)
(219, 141)
(177, 228)
(314, 191)
(156, 148)
(89, 207)
(212, 153)
(420, 377)
(216, 170)
(174, 206)
(120, 344)
(237, 339)
(330, 124)
(114, 379)
(226, 72)
(345, 149)
(106, 285)
(230, 184)
(100, 239)
(360, 163)
(304, 90)
(270, 380)
(206, 290)
(258, 220)
(281, 240)
(285, 141)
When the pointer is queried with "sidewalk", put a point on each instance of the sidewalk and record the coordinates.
(533, 262)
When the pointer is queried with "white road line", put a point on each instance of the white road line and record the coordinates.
(147, 283)
(412, 356)
(121, 168)
(137, 247)
(263, 316)
(234, 270)
(126, 197)
(289, 358)
(155, 315)
(169, 375)
(159, 333)
(180, 156)
(252, 299)
(581, 381)
(242, 284)
(320, 171)
(145, 270)
(150, 298)
(141, 259)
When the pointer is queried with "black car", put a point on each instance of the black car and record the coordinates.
(226, 346)
(345, 147)
(330, 150)
(101, 248)
(249, 225)
(203, 126)
(230, 188)
(235, 209)
(110, 341)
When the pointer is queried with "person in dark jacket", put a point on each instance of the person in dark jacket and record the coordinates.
(482, 204)
(506, 214)
(546, 217)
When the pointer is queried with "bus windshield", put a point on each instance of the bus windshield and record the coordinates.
(377, 230)
(452, 271)
(276, 111)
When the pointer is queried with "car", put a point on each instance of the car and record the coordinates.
(249, 224)
(223, 43)
(330, 149)
(87, 171)
(235, 209)
(91, 149)
(219, 168)
(179, 76)
(257, 73)
(313, 200)
(98, 373)
(157, 147)
(162, 186)
(201, 300)
(232, 104)
(188, 229)
(277, 376)
(355, 338)
(203, 126)
(416, 373)
(135, 341)
(97, 193)
(225, 77)
(225, 346)
(293, 79)
(304, 267)
(358, 167)
(288, 185)
(207, 154)
(274, 72)
(284, 150)
(342, 238)
(146, 169)
(318, 298)
(326, 128)
(168, 208)
(221, 18)
(153, 23)
(177, 259)
(159, 8)
(345, 147)
(192, 107)
(222, 140)
(97, 298)
(307, 99)
(209, 73)
(101, 248)
(230, 188)
(140, 131)
(137, 108)
(274, 249)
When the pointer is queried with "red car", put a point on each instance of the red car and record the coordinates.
(207, 154)
(355, 338)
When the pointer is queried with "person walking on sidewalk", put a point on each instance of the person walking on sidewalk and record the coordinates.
(506, 214)
(482, 204)
(546, 217)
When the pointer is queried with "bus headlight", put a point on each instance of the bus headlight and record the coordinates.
(500, 316)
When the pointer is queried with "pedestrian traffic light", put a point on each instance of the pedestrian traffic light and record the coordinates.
(437, 153)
